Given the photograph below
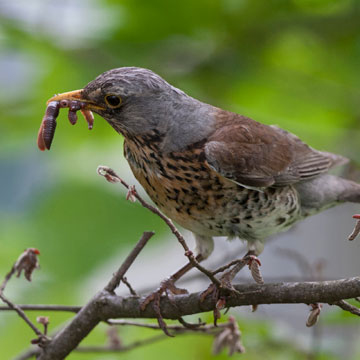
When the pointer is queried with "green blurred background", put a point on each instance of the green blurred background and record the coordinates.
(292, 63)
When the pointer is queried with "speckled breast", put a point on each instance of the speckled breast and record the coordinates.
(188, 191)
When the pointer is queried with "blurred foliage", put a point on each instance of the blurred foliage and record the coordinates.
(294, 63)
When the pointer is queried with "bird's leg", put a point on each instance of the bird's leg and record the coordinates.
(220, 293)
(249, 259)
(168, 287)
(181, 272)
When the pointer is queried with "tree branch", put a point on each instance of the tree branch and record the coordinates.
(278, 293)
(105, 306)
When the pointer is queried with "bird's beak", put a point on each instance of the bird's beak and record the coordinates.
(76, 95)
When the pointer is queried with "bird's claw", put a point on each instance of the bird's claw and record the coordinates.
(220, 293)
(166, 287)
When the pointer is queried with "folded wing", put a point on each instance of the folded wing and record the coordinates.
(257, 155)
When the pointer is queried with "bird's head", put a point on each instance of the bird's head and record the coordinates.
(133, 100)
(136, 102)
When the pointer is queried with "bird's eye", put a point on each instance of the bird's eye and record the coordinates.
(113, 101)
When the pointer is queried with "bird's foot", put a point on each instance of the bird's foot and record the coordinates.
(218, 297)
(226, 279)
(220, 293)
(168, 288)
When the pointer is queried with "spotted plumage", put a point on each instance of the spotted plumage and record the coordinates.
(186, 189)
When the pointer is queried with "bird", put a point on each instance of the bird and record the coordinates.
(214, 172)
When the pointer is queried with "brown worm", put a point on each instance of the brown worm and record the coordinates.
(48, 124)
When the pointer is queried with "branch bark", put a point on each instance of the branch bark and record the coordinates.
(106, 305)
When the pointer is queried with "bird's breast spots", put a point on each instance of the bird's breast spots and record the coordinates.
(131, 157)
(171, 167)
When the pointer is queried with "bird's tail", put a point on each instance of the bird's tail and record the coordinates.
(336, 160)
(326, 191)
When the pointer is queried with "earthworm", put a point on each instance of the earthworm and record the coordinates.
(48, 124)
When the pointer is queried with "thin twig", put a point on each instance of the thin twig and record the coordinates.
(101, 349)
(26, 307)
(21, 314)
(115, 280)
(191, 325)
(208, 330)
(135, 344)
(347, 307)
(177, 328)
(106, 171)
(7, 278)
(225, 267)
(131, 289)
(13, 306)
(112, 176)
(29, 354)
(133, 323)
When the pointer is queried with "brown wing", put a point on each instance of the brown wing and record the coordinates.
(258, 155)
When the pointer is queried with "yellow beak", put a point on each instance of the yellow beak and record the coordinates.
(76, 95)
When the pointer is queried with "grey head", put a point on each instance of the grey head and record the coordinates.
(136, 101)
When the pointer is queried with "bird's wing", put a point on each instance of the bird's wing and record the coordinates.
(257, 155)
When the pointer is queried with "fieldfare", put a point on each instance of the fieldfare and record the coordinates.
(214, 172)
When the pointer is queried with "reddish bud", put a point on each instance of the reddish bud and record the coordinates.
(28, 262)
(43, 320)
(131, 195)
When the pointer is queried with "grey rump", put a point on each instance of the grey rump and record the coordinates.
(215, 172)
